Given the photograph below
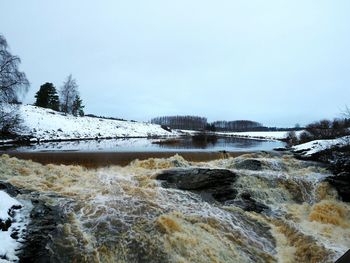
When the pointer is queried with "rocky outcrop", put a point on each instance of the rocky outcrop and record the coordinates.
(341, 182)
(340, 165)
(211, 184)
(338, 161)
(42, 226)
(44, 220)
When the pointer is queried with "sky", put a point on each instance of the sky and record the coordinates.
(275, 62)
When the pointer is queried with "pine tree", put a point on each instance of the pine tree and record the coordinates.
(47, 97)
(77, 107)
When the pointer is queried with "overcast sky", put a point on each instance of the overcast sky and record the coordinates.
(276, 62)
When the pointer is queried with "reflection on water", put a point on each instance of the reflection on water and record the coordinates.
(145, 145)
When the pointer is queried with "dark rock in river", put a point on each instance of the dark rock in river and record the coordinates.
(44, 220)
(249, 164)
(42, 227)
(247, 203)
(341, 182)
(211, 184)
(338, 161)
(9, 188)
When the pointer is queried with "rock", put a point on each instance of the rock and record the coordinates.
(341, 182)
(249, 164)
(5, 225)
(211, 184)
(281, 149)
(9, 188)
(247, 203)
(42, 227)
(338, 161)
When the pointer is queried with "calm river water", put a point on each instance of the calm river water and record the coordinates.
(152, 145)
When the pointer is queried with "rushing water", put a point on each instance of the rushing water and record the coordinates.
(153, 145)
(122, 214)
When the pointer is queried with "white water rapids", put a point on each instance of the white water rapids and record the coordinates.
(122, 214)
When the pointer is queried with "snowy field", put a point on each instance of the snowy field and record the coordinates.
(310, 148)
(48, 125)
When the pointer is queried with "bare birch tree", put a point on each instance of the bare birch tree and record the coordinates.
(68, 92)
(12, 83)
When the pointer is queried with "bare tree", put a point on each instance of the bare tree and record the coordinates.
(68, 92)
(346, 112)
(12, 83)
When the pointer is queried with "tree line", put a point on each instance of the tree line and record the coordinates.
(181, 122)
(200, 124)
(237, 126)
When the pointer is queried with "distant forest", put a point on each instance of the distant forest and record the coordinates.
(182, 122)
(200, 124)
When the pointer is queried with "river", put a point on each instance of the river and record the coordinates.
(124, 214)
(230, 144)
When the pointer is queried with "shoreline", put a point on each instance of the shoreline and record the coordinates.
(100, 159)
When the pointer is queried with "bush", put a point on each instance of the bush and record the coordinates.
(305, 137)
(10, 120)
(292, 138)
(326, 129)
(323, 130)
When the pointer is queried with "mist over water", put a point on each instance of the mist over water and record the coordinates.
(123, 214)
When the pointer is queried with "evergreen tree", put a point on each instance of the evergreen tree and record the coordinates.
(47, 97)
(77, 107)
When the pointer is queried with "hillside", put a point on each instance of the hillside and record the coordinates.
(47, 125)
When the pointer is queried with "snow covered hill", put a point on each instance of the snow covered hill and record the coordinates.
(47, 125)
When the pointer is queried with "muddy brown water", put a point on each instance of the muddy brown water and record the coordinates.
(100, 159)
(123, 214)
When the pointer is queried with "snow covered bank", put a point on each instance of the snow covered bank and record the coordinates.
(268, 135)
(48, 125)
(14, 218)
(310, 148)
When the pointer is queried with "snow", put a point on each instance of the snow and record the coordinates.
(310, 148)
(259, 135)
(48, 125)
(268, 135)
(6, 202)
(20, 220)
